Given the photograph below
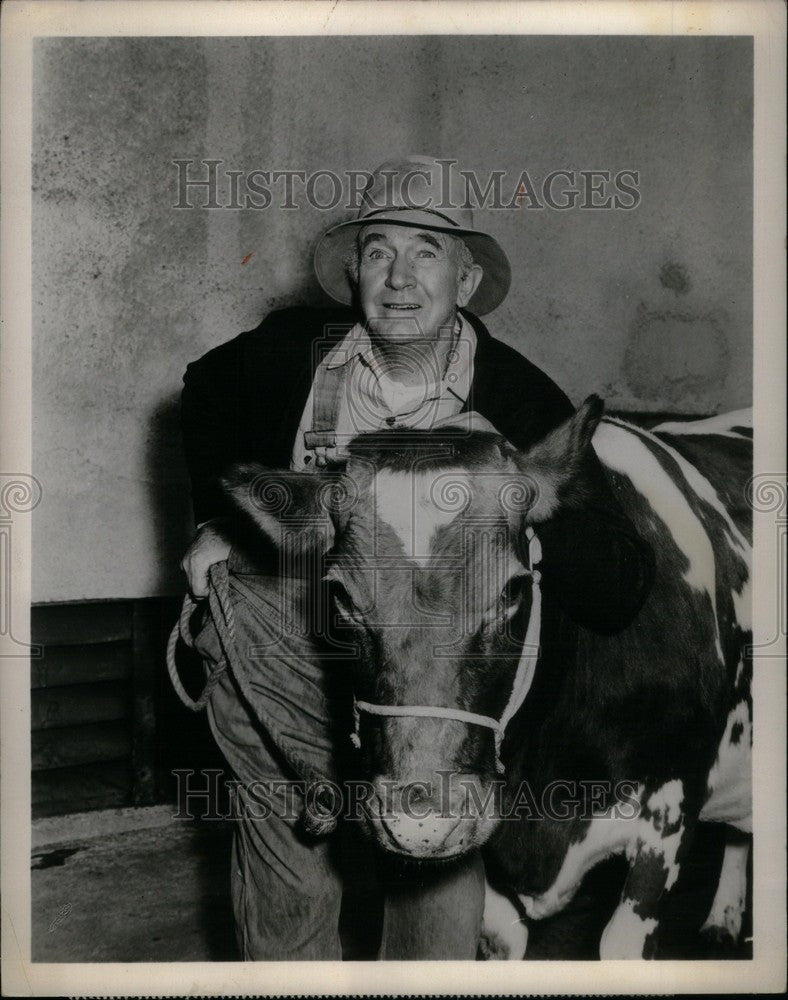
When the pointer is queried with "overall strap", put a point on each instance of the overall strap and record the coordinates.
(326, 396)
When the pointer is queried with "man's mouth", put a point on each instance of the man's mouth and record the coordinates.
(401, 306)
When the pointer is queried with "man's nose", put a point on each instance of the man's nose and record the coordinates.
(400, 273)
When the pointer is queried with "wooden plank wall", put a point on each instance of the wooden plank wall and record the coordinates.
(81, 706)
(106, 729)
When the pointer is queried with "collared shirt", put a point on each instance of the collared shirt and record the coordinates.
(371, 400)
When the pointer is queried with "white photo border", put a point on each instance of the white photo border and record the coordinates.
(765, 21)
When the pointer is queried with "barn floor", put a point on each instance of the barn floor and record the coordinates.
(160, 894)
(150, 895)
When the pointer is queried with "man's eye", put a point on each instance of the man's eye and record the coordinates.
(426, 253)
(376, 254)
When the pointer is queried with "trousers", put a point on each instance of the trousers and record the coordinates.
(287, 886)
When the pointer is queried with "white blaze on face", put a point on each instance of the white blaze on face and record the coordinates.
(414, 509)
(623, 451)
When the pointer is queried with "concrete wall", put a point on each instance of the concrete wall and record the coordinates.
(649, 307)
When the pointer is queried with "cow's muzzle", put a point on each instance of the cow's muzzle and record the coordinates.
(434, 820)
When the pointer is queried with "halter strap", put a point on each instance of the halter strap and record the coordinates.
(526, 668)
(430, 713)
(523, 680)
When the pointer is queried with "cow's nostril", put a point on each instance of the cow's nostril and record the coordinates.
(425, 838)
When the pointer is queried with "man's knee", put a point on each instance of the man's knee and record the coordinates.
(287, 893)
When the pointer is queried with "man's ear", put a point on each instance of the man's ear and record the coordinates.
(293, 510)
(468, 285)
(554, 466)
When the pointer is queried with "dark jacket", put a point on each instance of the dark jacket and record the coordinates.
(243, 401)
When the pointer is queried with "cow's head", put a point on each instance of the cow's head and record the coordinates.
(429, 573)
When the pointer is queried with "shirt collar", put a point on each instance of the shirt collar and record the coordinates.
(356, 343)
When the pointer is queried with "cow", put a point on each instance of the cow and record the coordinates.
(467, 714)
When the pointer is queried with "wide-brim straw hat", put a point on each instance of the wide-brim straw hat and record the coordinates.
(420, 192)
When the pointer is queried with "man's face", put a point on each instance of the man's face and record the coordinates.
(410, 282)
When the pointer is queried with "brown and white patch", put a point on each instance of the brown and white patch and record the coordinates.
(603, 837)
(504, 933)
(416, 505)
(725, 916)
(627, 934)
(729, 785)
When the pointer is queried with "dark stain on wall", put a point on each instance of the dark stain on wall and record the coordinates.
(673, 354)
(675, 277)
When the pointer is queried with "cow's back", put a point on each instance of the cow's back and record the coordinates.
(720, 448)
(688, 482)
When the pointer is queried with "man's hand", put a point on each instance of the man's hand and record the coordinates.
(211, 545)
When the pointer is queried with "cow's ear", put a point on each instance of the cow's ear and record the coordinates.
(294, 509)
(555, 465)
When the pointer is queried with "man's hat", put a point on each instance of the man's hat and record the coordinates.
(419, 192)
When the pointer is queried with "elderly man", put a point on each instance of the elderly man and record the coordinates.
(409, 351)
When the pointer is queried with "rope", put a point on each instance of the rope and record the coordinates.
(182, 631)
(428, 712)
(318, 815)
(526, 669)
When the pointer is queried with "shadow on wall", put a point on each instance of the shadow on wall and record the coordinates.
(169, 495)
(169, 489)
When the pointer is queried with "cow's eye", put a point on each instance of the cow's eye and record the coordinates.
(344, 603)
(339, 593)
(512, 591)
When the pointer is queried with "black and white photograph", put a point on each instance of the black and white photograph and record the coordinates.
(393, 505)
